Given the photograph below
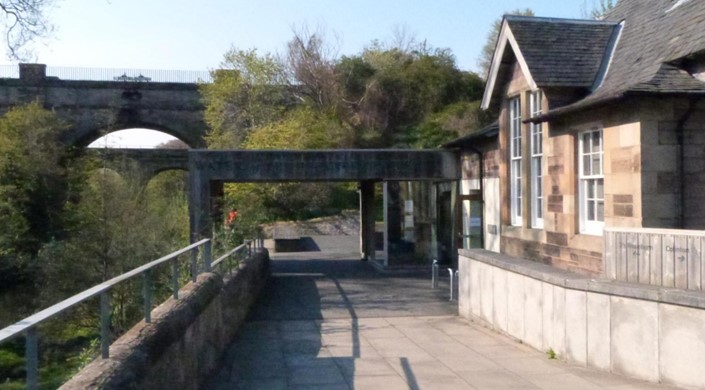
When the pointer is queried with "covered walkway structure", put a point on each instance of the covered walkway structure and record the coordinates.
(328, 321)
(209, 169)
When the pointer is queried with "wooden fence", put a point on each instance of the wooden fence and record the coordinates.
(662, 257)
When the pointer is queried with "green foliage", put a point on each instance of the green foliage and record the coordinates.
(454, 121)
(551, 353)
(11, 364)
(485, 59)
(246, 93)
(32, 187)
(301, 128)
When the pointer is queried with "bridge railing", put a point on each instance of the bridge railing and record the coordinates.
(28, 326)
(116, 74)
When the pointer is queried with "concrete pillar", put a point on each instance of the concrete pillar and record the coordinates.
(385, 235)
(33, 74)
(217, 193)
(367, 219)
(199, 204)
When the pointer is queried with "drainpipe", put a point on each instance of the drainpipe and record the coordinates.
(482, 189)
(680, 125)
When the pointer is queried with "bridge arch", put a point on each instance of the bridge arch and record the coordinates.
(91, 106)
(136, 138)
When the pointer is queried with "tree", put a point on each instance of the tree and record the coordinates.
(24, 22)
(32, 181)
(248, 91)
(598, 9)
(485, 60)
(311, 67)
(172, 144)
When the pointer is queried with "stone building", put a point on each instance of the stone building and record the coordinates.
(601, 123)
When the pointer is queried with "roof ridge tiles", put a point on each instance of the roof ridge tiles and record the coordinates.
(545, 19)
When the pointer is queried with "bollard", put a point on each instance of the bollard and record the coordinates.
(434, 274)
(453, 281)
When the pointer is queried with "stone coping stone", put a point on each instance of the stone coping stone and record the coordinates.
(574, 281)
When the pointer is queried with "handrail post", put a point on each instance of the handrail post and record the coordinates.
(32, 358)
(207, 255)
(194, 264)
(147, 294)
(105, 324)
(230, 264)
(175, 277)
(249, 249)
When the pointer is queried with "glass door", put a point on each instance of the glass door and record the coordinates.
(472, 233)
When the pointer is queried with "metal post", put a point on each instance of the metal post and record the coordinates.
(207, 255)
(450, 270)
(147, 295)
(32, 357)
(249, 248)
(175, 277)
(105, 324)
(194, 264)
(230, 264)
(434, 274)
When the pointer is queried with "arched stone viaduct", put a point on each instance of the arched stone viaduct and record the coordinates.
(95, 108)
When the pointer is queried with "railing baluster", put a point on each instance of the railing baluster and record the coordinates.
(105, 324)
(175, 277)
(194, 264)
(32, 357)
(207, 255)
(147, 295)
(230, 264)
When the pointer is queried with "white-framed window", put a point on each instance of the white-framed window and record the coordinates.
(535, 99)
(591, 182)
(515, 159)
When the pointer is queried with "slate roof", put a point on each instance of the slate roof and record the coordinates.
(654, 38)
(488, 131)
(561, 52)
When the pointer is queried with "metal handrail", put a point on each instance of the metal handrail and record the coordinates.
(229, 256)
(28, 326)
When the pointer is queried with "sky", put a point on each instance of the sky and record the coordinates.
(194, 35)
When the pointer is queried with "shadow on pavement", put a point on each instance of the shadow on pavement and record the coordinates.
(305, 328)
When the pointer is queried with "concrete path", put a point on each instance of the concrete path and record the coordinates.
(328, 321)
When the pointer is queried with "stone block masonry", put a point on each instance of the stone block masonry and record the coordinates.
(186, 339)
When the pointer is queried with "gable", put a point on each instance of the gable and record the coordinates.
(551, 52)
(506, 53)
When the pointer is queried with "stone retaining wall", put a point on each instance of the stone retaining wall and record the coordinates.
(185, 341)
(647, 332)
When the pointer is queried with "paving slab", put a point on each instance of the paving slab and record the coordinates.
(329, 321)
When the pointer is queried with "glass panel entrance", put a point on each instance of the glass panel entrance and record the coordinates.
(472, 223)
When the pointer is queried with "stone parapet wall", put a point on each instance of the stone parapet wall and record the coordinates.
(646, 332)
(184, 343)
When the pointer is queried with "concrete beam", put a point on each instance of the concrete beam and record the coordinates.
(325, 165)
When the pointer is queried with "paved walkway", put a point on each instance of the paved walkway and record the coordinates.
(328, 321)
